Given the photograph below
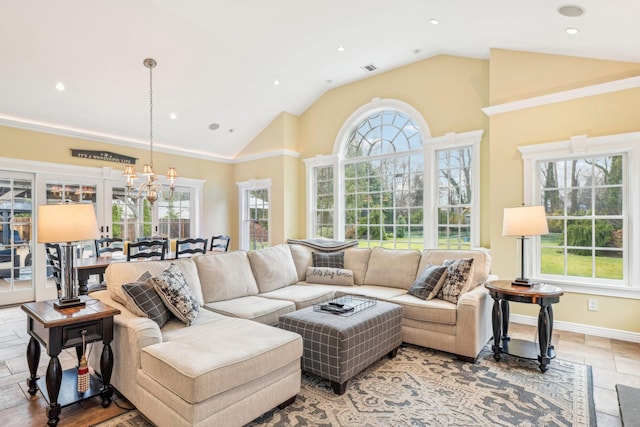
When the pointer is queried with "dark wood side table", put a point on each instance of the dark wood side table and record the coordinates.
(58, 329)
(503, 291)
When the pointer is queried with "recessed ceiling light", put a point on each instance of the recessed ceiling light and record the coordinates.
(60, 86)
(173, 116)
(214, 126)
(329, 81)
(340, 49)
(572, 31)
(570, 10)
(417, 51)
(434, 21)
(276, 82)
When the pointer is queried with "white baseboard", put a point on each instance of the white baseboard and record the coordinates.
(579, 328)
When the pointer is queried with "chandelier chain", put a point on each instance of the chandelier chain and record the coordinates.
(151, 114)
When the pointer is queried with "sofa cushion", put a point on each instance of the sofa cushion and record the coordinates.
(458, 279)
(273, 268)
(432, 311)
(429, 282)
(330, 276)
(129, 303)
(356, 260)
(301, 294)
(330, 259)
(259, 309)
(176, 295)
(379, 292)
(225, 276)
(143, 296)
(199, 367)
(481, 263)
(392, 267)
(119, 273)
(301, 255)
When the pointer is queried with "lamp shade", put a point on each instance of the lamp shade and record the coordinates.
(67, 223)
(524, 221)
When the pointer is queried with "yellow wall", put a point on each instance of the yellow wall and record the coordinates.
(518, 75)
(30, 145)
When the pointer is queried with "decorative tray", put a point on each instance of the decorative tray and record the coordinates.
(345, 305)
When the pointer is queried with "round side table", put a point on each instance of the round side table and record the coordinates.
(504, 291)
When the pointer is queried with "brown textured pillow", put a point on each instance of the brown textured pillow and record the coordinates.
(458, 280)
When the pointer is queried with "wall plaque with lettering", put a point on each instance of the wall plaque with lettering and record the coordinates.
(103, 155)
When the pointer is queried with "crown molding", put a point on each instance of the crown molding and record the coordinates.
(266, 155)
(44, 127)
(567, 95)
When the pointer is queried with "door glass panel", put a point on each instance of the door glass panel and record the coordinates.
(16, 242)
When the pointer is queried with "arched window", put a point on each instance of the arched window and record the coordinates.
(383, 175)
(389, 183)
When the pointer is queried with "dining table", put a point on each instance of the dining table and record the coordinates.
(89, 266)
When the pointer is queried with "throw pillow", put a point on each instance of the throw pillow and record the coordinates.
(176, 295)
(130, 304)
(458, 280)
(147, 301)
(330, 259)
(429, 282)
(330, 276)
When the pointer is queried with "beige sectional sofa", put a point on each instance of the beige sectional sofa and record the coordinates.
(231, 365)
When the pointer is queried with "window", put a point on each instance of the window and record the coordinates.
(174, 215)
(383, 182)
(254, 214)
(584, 186)
(389, 183)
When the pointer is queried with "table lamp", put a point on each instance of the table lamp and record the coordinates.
(522, 222)
(65, 224)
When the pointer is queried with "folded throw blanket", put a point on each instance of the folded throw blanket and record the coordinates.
(327, 245)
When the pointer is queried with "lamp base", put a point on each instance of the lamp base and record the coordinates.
(520, 281)
(68, 302)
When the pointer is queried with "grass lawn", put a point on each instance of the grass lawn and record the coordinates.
(579, 265)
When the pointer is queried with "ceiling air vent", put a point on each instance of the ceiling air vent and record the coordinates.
(369, 67)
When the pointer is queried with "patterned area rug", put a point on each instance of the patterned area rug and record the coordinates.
(422, 387)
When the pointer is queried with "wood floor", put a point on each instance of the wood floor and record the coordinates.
(613, 362)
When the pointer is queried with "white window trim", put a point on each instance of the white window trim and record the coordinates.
(252, 184)
(311, 164)
(582, 145)
(446, 142)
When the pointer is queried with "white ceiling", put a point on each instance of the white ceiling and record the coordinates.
(218, 59)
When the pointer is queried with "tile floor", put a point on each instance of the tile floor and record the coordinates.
(613, 362)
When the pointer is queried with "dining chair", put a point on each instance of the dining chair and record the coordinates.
(147, 249)
(220, 243)
(108, 245)
(54, 259)
(191, 246)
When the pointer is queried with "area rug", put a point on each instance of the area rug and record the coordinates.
(423, 387)
(629, 401)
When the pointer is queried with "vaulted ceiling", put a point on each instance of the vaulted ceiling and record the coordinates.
(219, 60)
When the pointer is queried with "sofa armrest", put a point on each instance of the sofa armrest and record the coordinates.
(473, 325)
(131, 334)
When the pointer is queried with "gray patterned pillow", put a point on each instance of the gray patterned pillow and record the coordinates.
(458, 280)
(429, 282)
(176, 295)
(331, 259)
(144, 297)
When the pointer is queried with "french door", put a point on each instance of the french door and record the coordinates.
(16, 238)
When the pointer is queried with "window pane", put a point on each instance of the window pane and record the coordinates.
(591, 189)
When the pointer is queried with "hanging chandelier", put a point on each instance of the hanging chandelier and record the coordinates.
(152, 188)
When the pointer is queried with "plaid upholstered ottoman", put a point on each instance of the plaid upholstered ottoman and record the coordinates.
(337, 347)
